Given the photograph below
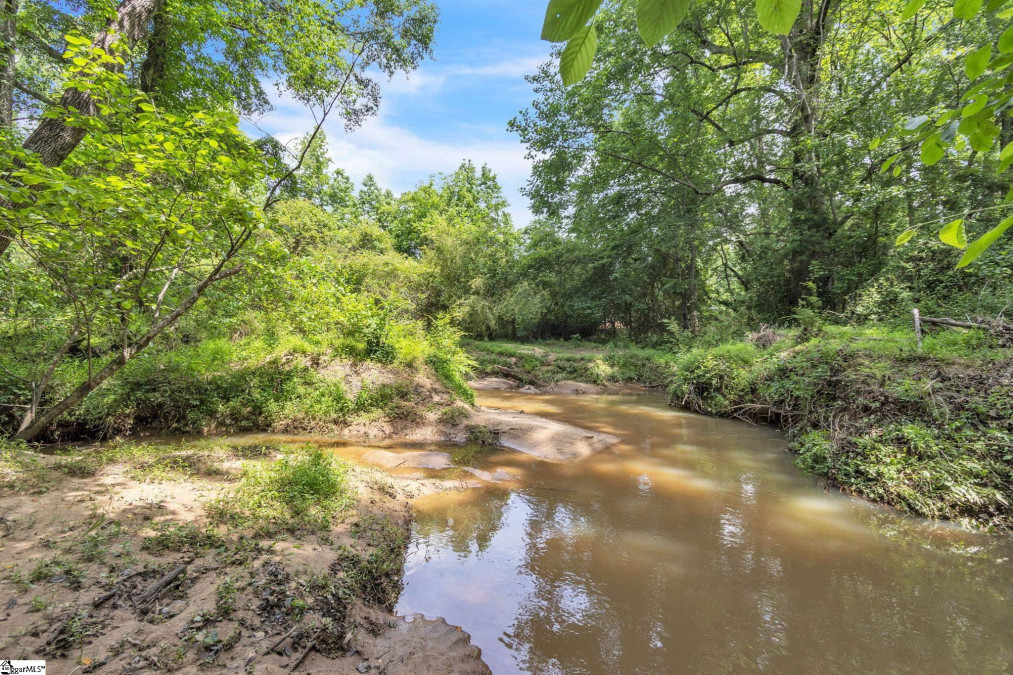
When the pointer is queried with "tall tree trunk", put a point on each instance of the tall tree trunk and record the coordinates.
(8, 34)
(812, 224)
(153, 68)
(53, 140)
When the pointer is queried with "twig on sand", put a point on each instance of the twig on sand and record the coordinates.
(250, 661)
(159, 585)
(105, 597)
(309, 648)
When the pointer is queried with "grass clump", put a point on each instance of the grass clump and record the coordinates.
(21, 470)
(183, 538)
(552, 361)
(303, 491)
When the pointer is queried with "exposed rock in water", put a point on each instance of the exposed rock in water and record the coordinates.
(569, 387)
(493, 384)
(542, 437)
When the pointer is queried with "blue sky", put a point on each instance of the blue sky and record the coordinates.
(455, 107)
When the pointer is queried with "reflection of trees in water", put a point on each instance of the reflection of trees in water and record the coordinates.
(614, 593)
(468, 522)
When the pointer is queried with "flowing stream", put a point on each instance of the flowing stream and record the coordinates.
(696, 546)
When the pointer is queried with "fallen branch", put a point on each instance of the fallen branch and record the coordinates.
(159, 585)
(1001, 329)
(105, 597)
(309, 648)
(519, 376)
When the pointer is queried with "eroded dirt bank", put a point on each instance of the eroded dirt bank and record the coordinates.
(126, 567)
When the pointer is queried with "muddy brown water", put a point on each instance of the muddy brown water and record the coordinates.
(696, 546)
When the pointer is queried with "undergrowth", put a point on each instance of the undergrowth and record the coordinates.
(553, 361)
(928, 432)
(303, 491)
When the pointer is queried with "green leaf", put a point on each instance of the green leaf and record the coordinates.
(905, 237)
(578, 55)
(915, 122)
(966, 9)
(982, 244)
(911, 8)
(975, 106)
(876, 142)
(778, 16)
(889, 162)
(565, 18)
(933, 150)
(1006, 41)
(954, 234)
(658, 18)
(976, 62)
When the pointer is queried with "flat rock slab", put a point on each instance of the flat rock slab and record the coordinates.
(493, 384)
(569, 387)
(540, 437)
(413, 460)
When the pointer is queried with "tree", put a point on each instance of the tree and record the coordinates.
(132, 203)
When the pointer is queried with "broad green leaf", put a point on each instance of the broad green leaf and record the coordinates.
(966, 9)
(889, 162)
(982, 244)
(578, 55)
(915, 122)
(975, 106)
(949, 133)
(876, 142)
(658, 18)
(977, 62)
(911, 8)
(905, 237)
(565, 18)
(932, 150)
(1006, 41)
(954, 234)
(778, 16)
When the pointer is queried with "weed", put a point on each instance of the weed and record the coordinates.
(57, 570)
(185, 537)
(304, 491)
(225, 597)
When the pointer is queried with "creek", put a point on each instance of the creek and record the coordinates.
(695, 545)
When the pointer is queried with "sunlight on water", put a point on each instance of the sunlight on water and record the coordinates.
(695, 546)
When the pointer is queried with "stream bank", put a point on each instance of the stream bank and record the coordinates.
(247, 557)
(929, 432)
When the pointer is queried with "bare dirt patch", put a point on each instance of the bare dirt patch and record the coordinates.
(115, 573)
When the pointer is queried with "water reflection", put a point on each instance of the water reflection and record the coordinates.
(695, 546)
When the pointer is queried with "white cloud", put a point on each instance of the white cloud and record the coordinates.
(401, 159)
(402, 156)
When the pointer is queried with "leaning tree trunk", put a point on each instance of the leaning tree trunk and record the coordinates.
(53, 140)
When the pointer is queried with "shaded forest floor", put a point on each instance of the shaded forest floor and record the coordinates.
(928, 432)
